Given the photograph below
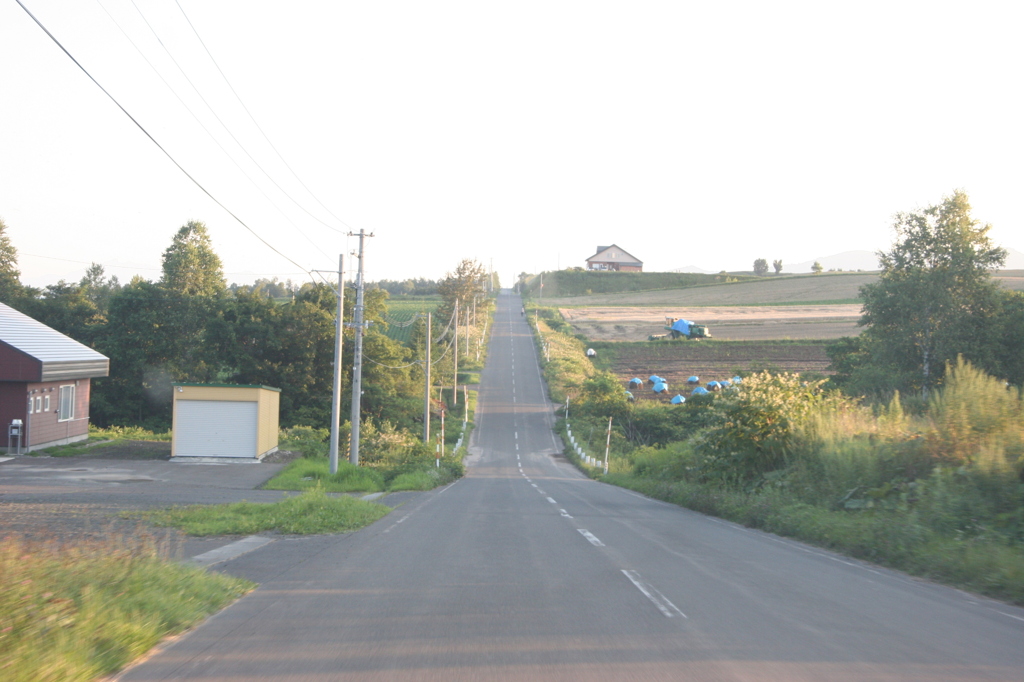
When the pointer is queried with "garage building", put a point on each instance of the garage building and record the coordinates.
(224, 422)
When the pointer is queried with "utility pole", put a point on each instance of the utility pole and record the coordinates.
(455, 359)
(607, 445)
(426, 396)
(336, 396)
(357, 359)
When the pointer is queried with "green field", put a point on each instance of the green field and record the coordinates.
(402, 316)
(569, 283)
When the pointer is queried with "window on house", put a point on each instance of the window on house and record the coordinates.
(31, 405)
(46, 403)
(66, 409)
(39, 404)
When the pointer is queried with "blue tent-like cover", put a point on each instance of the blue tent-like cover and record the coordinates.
(682, 326)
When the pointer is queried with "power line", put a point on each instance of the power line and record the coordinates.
(219, 120)
(265, 137)
(153, 140)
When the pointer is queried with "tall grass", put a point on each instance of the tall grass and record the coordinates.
(76, 613)
(936, 491)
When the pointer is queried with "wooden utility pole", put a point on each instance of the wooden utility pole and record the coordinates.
(357, 360)
(455, 359)
(426, 396)
(336, 395)
(607, 445)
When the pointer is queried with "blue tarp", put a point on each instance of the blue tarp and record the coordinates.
(629, 396)
(660, 387)
(678, 400)
(654, 378)
(713, 386)
(693, 380)
(636, 381)
(700, 390)
(682, 326)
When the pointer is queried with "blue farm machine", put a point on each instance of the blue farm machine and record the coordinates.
(683, 329)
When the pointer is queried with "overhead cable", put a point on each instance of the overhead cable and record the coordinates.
(158, 145)
(265, 137)
(222, 123)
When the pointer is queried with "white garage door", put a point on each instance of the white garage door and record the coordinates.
(211, 428)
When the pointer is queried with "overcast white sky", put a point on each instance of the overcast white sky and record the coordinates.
(688, 133)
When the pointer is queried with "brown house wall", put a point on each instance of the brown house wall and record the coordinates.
(43, 427)
(13, 402)
(18, 366)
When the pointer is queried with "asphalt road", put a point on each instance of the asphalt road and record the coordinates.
(526, 570)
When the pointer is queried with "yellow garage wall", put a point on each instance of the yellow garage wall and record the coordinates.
(268, 408)
(269, 412)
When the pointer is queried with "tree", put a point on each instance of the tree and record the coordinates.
(760, 267)
(777, 264)
(10, 276)
(935, 296)
(817, 268)
(463, 285)
(191, 268)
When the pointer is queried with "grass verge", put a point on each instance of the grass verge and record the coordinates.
(986, 565)
(306, 474)
(311, 512)
(97, 436)
(77, 613)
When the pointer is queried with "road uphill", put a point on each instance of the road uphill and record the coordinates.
(527, 570)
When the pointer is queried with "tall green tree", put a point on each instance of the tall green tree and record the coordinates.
(935, 295)
(777, 264)
(468, 280)
(190, 266)
(10, 276)
(760, 267)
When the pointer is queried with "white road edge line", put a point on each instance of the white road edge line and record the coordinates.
(230, 551)
(669, 609)
(590, 537)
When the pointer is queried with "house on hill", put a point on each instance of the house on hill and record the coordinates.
(614, 258)
(44, 381)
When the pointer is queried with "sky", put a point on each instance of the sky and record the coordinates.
(522, 134)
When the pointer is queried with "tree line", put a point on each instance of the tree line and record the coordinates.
(190, 326)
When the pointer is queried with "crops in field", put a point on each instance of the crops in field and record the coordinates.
(709, 360)
(402, 316)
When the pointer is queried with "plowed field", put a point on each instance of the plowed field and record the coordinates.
(709, 360)
(749, 323)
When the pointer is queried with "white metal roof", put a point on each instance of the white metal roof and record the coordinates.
(60, 355)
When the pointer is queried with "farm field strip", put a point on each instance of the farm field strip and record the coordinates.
(401, 314)
(676, 361)
(836, 287)
(725, 322)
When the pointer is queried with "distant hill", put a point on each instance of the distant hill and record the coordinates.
(1014, 259)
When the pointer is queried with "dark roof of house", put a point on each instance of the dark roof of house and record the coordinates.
(623, 258)
(31, 351)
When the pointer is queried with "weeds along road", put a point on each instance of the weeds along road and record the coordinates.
(526, 570)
